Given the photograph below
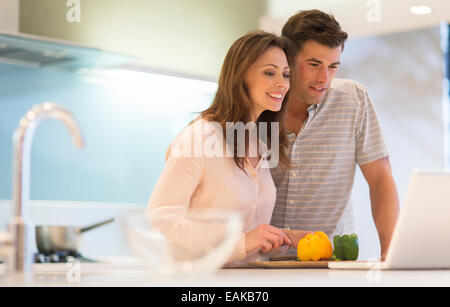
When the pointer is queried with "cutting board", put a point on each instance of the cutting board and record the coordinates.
(281, 262)
(285, 262)
(289, 264)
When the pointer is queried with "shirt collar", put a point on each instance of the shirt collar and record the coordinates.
(315, 107)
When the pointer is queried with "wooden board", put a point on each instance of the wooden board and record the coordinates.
(289, 264)
(281, 262)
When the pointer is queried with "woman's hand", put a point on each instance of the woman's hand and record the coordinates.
(296, 235)
(265, 237)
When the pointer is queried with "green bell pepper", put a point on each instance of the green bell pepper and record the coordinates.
(346, 247)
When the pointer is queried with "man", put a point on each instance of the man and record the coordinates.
(332, 126)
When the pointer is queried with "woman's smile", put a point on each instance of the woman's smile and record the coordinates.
(278, 97)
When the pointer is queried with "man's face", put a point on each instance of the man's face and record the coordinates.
(316, 66)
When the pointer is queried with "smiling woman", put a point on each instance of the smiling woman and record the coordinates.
(265, 84)
(253, 87)
(256, 66)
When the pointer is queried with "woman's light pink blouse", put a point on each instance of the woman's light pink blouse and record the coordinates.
(192, 179)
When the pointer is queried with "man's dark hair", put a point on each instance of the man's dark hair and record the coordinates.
(314, 25)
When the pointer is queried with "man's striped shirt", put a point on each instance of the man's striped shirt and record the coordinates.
(314, 194)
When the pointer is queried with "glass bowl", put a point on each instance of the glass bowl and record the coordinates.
(199, 243)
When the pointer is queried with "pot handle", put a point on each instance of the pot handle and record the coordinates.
(87, 228)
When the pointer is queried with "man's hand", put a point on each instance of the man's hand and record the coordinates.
(295, 235)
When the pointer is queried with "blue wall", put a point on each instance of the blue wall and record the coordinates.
(126, 128)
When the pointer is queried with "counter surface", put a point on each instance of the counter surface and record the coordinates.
(134, 274)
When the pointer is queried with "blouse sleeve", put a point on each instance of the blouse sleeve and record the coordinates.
(169, 203)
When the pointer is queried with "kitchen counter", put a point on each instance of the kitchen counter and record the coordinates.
(134, 274)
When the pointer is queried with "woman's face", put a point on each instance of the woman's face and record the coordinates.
(267, 81)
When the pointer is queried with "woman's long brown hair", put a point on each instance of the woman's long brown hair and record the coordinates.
(232, 104)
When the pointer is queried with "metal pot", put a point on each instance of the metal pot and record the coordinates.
(51, 239)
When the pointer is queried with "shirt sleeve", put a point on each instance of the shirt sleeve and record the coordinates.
(168, 207)
(370, 144)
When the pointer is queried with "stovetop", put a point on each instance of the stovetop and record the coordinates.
(60, 257)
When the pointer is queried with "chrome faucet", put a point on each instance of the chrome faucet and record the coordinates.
(22, 139)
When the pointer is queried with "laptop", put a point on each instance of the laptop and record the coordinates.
(421, 238)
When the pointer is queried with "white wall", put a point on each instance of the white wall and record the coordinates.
(183, 37)
(9, 15)
(404, 75)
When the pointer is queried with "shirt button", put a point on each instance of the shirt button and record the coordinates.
(291, 201)
(293, 174)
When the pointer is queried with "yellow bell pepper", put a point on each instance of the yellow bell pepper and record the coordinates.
(314, 246)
